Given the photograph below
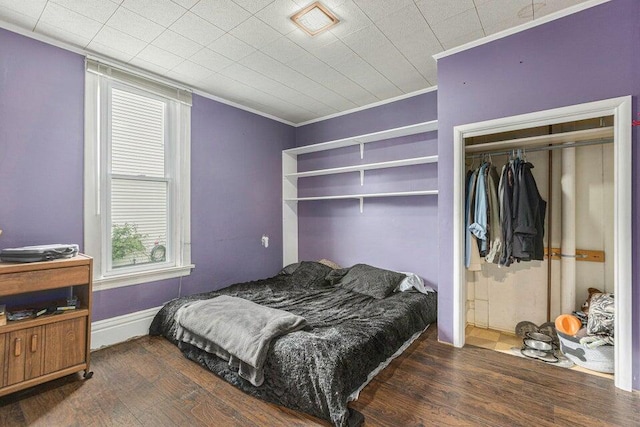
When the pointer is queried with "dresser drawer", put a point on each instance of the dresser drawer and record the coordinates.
(15, 283)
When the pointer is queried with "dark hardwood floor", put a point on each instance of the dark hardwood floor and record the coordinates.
(148, 382)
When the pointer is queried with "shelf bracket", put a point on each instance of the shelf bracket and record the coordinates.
(361, 177)
(362, 150)
(361, 204)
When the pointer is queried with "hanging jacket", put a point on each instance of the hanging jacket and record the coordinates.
(470, 180)
(479, 225)
(529, 213)
(505, 195)
(495, 227)
(472, 256)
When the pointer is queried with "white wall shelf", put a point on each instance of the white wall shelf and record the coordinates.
(361, 197)
(290, 176)
(365, 167)
(366, 138)
(365, 196)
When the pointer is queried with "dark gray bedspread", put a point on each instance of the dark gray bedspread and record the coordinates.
(315, 370)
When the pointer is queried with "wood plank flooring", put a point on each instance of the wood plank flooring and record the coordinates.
(147, 382)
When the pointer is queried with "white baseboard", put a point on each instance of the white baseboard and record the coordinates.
(121, 328)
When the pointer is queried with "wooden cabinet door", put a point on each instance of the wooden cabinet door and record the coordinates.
(65, 344)
(24, 358)
(3, 359)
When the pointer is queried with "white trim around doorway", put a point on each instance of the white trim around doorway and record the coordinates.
(620, 109)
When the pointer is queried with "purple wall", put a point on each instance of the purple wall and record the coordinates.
(235, 188)
(395, 233)
(588, 56)
(41, 142)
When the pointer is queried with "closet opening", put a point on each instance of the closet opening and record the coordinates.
(513, 290)
(565, 235)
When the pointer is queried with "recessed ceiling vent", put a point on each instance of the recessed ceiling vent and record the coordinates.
(315, 19)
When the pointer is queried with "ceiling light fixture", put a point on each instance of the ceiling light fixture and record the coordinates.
(315, 19)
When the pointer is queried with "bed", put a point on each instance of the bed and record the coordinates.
(348, 338)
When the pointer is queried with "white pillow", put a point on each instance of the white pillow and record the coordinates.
(413, 281)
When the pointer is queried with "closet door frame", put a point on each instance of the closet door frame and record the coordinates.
(620, 108)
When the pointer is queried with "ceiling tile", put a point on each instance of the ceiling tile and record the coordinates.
(254, 32)
(322, 73)
(376, 10)
(210, 59)
(187, 4)
(277, 15)
(503, 25)
(256, 79)
(159, 57)
(231, 47)
(283, 50)
(407, 24)
(135, 25)
(192, 71)
(289, 77)
(197, 29)
(308, 43)
(69, 21)
(366, 76)
(372, 46)
(99, 10)
(108, 51)
(252, 5)
(118, 40)
(431, 74)
(457, 26)
(436, 11)
(62, 35)
(224, 14)
(554, 6)
(493, 13)
(465, 38)
(352, 19)
(17, 18)
(163, 12)
(176, 44)
(249, 77)
(412, 36)
(31, 8)
(149, 66)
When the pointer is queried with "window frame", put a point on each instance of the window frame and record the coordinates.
(97, 183)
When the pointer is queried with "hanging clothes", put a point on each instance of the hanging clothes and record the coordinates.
(504, 214)
(505, 190)
(530, 210)
(479, 225)
(495, 228)
(472, 255)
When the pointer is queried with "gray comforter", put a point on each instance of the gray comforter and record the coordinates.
(315, 370)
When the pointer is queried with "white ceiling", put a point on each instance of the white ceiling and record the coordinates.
(249, 52)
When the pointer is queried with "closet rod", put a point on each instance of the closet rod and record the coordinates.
(546, 148)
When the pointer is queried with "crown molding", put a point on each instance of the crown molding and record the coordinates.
(510, 31)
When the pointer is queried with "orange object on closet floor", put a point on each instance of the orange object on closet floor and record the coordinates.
(568, 324)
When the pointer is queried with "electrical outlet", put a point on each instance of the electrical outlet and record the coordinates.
(265, 240)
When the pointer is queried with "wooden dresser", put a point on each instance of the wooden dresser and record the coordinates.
(36, 350)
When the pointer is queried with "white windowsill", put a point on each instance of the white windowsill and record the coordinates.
(111, 282)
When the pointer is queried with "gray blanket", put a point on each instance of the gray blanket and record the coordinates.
(236, 330)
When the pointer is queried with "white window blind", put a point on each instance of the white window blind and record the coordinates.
(139, 186)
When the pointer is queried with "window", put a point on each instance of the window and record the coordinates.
(137, 157)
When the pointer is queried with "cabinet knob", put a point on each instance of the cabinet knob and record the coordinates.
(34, 343)
(17, 351)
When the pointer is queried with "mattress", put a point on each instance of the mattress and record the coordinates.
(316, 370)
